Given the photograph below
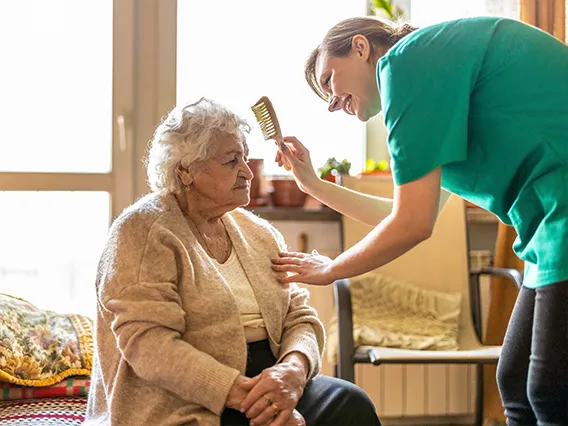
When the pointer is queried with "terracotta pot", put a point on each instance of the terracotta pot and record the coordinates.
(258, 184)
(330, 178)
(286, 193)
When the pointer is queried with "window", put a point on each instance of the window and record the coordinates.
(56, 105)
(235, 52)
(51, 243)
(63, 173)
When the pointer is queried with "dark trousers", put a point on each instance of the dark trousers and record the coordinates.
(326, 400)
(533, 369)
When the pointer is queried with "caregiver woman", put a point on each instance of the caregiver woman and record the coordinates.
(479, 108)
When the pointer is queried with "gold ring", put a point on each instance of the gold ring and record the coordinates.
(275, 408)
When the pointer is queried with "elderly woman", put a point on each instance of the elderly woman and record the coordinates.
(193, 326)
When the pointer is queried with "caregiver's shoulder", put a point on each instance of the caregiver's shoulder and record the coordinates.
(447, 32)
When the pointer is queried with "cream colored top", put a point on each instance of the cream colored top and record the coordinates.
(236, 278)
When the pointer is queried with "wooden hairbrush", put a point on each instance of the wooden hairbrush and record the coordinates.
(266, 116)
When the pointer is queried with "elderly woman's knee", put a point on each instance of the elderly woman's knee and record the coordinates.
(357, 400)
(339, 402)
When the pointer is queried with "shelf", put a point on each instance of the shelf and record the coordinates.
(297, 214)
(325, 214)
(480, 216)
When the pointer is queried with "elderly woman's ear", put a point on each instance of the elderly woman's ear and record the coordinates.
(184, 175)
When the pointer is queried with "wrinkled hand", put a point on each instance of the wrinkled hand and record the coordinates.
(295, 419)
(239, 391)
(305, 268)
(274, 397)
(294, 154)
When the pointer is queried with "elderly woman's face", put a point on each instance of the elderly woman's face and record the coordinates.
(224, 180)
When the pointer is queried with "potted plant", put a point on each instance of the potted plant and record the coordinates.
(333, 168)
(373, 167)
(285, 192)
(386, 8)
(258, 184)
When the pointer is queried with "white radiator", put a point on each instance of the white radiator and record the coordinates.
(419, 390)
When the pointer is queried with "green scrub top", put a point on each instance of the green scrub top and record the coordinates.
(486, 99)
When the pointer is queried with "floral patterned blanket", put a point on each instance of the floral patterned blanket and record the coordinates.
(40, 347)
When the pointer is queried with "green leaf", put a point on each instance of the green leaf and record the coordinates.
(386, 6)
(332, 164)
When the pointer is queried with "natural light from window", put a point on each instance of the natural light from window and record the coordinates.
(56, 86)
(56, 117)
(236, 51)
(51, 244)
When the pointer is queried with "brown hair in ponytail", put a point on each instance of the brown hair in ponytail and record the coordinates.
(337, 42)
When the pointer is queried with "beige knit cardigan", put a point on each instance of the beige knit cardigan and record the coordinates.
(169, 338)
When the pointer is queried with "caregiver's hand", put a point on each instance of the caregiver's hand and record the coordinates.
(298, 157)
(275, 396)
(305, 268)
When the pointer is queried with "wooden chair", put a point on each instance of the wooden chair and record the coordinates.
(440, 263)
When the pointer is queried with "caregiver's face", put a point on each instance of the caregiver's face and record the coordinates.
(350, 82)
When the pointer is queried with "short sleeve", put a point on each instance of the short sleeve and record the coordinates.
(425, 93)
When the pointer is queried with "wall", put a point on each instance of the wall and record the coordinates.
(377, 139)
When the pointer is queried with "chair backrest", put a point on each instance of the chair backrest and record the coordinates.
(440, 263)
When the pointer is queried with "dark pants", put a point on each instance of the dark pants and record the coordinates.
(326, 400)
(533, 369)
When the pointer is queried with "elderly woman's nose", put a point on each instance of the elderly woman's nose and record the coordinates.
(248, 172)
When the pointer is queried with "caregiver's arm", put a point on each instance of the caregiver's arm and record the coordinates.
(411, 221)
(364, 208)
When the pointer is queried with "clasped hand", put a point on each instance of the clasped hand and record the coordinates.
(271, 397)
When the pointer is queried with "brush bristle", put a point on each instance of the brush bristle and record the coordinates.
(264, 118)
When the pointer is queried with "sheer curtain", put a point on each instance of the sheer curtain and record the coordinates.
(548, 15)
(237, 51)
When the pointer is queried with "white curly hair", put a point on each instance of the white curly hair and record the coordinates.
(187, 136)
